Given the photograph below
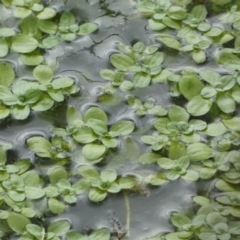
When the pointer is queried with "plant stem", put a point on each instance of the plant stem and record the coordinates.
(128, 214)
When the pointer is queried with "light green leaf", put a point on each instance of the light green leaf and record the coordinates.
(108, 175)
(169, 41)
(96, 195)
(34, 193)
(3, 48)
(43, 74)
(32, 59)
(20, 112)
(57, 174)
(123, 127)
(199, 106)
(148, 158)
(89, 173)
(178, 220)
(199, 56)
(50, 41)
(87, 28)
(47, 26)
(229, 60)
(190, 176)
(59, 228)
(56, 206)
(215, 129)
(23, 44)
(17, 222)
(233, 123)
(121, 62)
(47, 13)
(199, 12)
(85, 135)
(190, 86)
(93, 151)
(95, 113)
(199, 151)
(226, 102)
(126, 182)
(177, 114)
(101, 234)
(7, 74)
(141, 80)
(41, 146)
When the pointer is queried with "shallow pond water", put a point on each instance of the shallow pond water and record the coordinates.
(146, 209)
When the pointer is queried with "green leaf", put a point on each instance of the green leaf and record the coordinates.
(101, 234)
(57, 174)
(21, 12)
(56, 206)
(85, 135)
(67, 19)
(17, 222)
(47, 26)
(190, 176)
(121, 62)
(74, 117)
(89, 173)
(97, 195)
(3, 48)
(148, 158)
(214, 218)
(95, 113)
(199, 12)
(59, 228)
(229, 60)
(87, 28)
(74, 236)
(199, 151)
(201, 200)
(7, 74)
(215, 129)
(110, 142)
(50, 41)
(199, 56)
(178, 220)
(98, 126)
(23, 44)
(126, 182)
(47, 13)
(20, 112)
(190, 86)
(34, 193)
(177, 114)
(61, 83)
(43, 74)
(232, 123)
(41, 146)
(199, 106)
(108, 175)
(93, 151)
(169, 41)
(153, 60)
(174, 236)
(123, 127)
(224, 187)
(226, 102)
(32, 59)
(35, 230)
(81, 186)
(141, 80)
(30, 178)
(207, 173)
(171, 23)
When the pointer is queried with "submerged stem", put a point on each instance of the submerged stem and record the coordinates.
(128, 214)
(210, 188)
